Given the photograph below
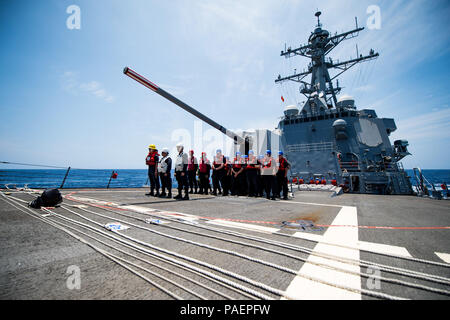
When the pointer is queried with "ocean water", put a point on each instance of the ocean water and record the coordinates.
(435, 177)
(77, 178)
(127, 178)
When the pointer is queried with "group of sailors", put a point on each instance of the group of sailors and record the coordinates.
(244, 175)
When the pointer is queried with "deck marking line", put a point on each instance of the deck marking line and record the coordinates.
(443, 256)
(302, 288)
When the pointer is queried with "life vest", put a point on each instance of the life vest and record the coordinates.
(311, 181)
(252, 162)
(162, 165)
(317, 181)
(203, 166)
(283, 164)
(324, 182)
(294, 180)
(301, 181)
(334, 182)
(191, 164)
(151, 159)
(219, 162)
(267, 164)
(237, 164)
(181, 160)
(444, 186)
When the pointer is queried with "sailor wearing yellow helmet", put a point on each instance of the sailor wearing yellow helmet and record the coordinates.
(151, 161)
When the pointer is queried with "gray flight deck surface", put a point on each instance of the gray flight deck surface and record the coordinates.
(35, 256)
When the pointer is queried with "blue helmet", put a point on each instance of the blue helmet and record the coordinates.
(280, 153)
(238, 153)
(218, 151)
(251, 152)
(268, 152)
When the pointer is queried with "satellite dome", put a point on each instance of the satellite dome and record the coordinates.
(346, 102)
(346, 98)
(290, 111)
(340, 124)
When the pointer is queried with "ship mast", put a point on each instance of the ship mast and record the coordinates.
(320, 92)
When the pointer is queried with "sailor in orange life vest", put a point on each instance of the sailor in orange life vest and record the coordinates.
(268, 175)
(282, 182)
(253, 166)
(204, 168)
(164, 168)
(152, 160)
(192, 171)
(181, 164)
(237, 170)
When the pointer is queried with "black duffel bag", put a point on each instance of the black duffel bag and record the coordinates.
(48, 198)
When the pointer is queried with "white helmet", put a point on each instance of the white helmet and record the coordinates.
(166, 150)
(179, 147)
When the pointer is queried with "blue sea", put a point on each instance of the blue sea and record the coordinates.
(77, 178)
(127, 178)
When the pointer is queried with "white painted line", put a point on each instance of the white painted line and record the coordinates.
(241, 225)
(302, 288)
(139, 209)
(361, 245)
(313, 204)
(443, 256)
(308, 236)
(383, 248)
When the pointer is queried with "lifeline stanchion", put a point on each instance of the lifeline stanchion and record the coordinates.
(65, 177)
(113, 176)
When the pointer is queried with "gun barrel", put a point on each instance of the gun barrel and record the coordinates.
(147, 83)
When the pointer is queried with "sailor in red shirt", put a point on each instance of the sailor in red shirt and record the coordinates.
(226, 181)
(268, 175)
(204, 168)
(282, 182)
(237, 169)
(192, 171)
(151, 161)
(253, 165)
(219, 172)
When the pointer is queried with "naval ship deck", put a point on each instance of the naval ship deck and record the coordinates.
(350, 246)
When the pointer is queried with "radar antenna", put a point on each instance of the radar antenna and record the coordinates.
(320, 44)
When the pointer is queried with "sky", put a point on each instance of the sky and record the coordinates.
(65, 101)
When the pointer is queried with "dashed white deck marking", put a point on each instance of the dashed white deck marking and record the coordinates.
(241, 225)
(314, 204)
(443, 256)
(361, 245)
(383, 248)
(302, 288)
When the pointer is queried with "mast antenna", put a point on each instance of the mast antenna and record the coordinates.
(317, 14)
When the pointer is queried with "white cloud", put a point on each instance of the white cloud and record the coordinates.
(71, 84)
(435, 124)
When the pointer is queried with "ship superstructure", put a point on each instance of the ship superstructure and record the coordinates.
(330, 138)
